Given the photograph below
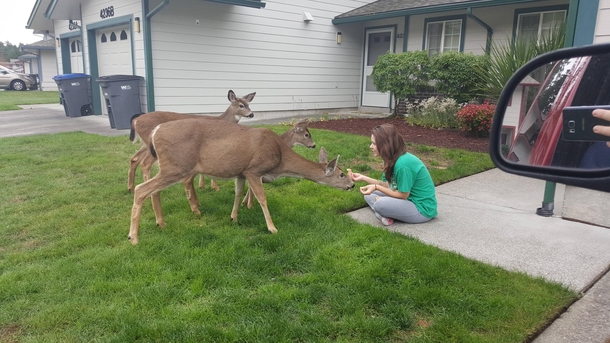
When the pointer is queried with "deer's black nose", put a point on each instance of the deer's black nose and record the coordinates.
(251, 115)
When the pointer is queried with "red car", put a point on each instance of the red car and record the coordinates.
(580, 81)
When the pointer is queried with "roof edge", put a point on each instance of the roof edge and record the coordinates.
(425, 10)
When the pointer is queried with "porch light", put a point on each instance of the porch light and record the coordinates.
(339, 37)
(136, 24)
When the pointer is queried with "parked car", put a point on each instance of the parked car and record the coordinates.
(568, 83)
(10, 79)
(573, 77)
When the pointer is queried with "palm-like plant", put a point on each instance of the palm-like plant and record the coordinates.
(509, 55)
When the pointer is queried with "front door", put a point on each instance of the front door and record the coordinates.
(378, 42)
(76, 55)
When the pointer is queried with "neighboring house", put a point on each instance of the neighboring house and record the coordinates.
(301, 57)
(41, 61)
(516, 110)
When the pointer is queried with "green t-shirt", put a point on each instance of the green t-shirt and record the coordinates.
(411, 176)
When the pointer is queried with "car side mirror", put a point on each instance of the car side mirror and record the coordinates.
(542, 127)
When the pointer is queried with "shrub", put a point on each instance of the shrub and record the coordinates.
(476, 119)
(454, 76)
(434, 112)
(401, 74)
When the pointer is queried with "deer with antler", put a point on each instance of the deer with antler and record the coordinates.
(223, 150)
(142, 127)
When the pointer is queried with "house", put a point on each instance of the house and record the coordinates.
(301, 57)
(41, 61)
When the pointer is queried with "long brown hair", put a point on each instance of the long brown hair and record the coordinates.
(390, 145)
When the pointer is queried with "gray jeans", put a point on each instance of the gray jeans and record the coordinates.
(389, 207)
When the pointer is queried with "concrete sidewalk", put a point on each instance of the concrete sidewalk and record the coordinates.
(489, 217)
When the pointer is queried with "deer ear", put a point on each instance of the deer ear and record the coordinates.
(332, 165)
(231, 96)
(323, 156)
(250, 97)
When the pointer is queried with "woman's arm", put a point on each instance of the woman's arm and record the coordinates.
(390, 192)
(360, 177)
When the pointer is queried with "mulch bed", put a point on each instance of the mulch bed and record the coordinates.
(442, 138)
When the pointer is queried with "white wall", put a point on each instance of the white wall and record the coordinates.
(602, 30)
(49, 69)
(499, 18)
(290, 64)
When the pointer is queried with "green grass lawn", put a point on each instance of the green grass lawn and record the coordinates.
(69, 274)
(10, 99)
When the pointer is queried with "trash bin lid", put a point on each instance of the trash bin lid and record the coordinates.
(70, 76)
(110, 78)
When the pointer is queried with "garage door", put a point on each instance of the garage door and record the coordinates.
(114, 53)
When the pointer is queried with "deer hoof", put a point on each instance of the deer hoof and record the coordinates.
(272, 230)
(133, 241)
(161, 224)
(197, 212)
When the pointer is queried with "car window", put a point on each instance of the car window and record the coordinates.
(7, 70)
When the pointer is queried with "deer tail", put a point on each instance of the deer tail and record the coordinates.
(133, 136)
(153, 152)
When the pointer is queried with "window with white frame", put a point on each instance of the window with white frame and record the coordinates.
(443, 36)
(540, 24)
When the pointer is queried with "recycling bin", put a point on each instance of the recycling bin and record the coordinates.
(122, 98)
(75, 94)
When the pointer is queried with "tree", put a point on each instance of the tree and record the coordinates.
(401, 74)
(9, 51)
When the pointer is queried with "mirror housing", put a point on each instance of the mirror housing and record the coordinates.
(595, 178)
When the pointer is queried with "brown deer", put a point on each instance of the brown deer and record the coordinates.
(185, 148)
(298, 134)
(143, 126)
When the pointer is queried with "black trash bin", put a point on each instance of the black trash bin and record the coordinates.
(75, 94)
(122, 98)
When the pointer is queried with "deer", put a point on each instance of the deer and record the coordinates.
(224, 150)
(297, 135)
(142, 126)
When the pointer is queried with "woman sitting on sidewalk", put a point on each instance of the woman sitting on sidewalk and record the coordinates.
(406, 191)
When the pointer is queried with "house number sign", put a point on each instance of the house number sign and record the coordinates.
(73, 25)
(107, 12)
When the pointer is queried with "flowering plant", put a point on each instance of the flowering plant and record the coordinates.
(433, 112)
(476, 118)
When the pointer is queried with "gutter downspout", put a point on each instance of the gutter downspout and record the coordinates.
(487, 27)
(148, 61)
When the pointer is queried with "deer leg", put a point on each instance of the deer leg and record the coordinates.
(201, 183)
(191, 195)
(146, 164)
(141, 192)
(133, 165)
(215, 185)
(156, 202)
(248, 199)
(256, 185)
(239, 190)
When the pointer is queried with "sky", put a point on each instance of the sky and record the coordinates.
(14, 19)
